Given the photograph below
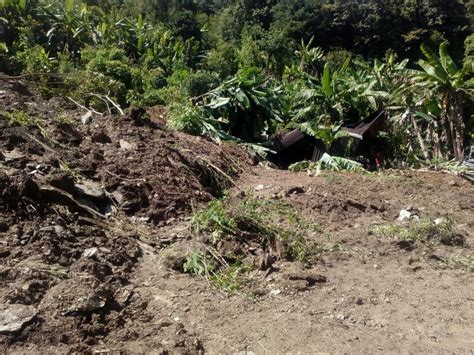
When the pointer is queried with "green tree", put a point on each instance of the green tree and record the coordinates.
(447, 84)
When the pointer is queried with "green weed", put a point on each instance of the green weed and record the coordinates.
(423, 230)
(211, 265)
(19, 117)
(462, 263)
(267, 221)
(64, 118)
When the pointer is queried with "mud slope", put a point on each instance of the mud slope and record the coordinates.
(80, 199)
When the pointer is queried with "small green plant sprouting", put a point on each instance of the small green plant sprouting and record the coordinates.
(214, 218)
(19, 117)
(64, 118)
(423, 230)
(327, 162)
(230, 279)
(198, 263)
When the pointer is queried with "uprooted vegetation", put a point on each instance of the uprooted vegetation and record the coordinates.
(239, 235)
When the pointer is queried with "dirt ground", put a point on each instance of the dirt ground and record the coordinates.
(95, 214)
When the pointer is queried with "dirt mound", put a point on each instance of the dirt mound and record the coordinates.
(75, 192)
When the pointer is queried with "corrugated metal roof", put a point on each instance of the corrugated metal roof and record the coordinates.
(288, 140)
(372, 125)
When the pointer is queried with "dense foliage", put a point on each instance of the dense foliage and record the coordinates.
(249, 69)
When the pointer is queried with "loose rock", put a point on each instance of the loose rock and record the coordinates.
(90, 189)
(13, 317)
(86, 118)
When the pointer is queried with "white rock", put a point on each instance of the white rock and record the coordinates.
(90, 189)
(404, 216)
(126, 145)
(86, 118)
(13, 317)
(259, 187)
(89, 253)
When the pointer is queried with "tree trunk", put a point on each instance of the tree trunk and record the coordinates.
(446, 126)
(420, 138)
(457, 126)
(434, 130)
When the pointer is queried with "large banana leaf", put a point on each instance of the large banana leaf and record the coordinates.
(326, 81)
(446, 60)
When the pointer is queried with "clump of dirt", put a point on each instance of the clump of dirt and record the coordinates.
(79, 193)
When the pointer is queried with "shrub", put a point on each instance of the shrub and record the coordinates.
(35, 60)
(201, 82)
(186, 118)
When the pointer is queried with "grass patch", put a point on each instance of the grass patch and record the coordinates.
(462, 263)
(213, 267)
(253, 228)
(423, 230)
(267, 221)
(18, 117)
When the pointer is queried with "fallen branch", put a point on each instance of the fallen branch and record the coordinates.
(108, 100)
(83, 107)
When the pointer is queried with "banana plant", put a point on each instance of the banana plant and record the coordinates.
(310, 57)
(327, 133)
(441, 78)
(247, 104)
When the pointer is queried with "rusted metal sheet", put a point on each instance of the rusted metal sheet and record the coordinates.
(371, 125)
(288, 140)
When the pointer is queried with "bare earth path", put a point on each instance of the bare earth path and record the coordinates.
(378, 297)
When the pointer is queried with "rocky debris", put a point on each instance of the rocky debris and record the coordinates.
(9, 156)
(52, 194)
(87, 304)
(4, 252)
(13, 317)
(295, 191)
(408, 245)
(266, 261)
(86, 118)
(408, 214)
(90, 189)
(126, 145)
(63, 181)
(90, 253)
(310, 278)
(356, 204)
(453, 183)
(377, 206)
(58, 253)
(100, 137)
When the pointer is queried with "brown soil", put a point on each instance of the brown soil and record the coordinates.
(94, 219)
